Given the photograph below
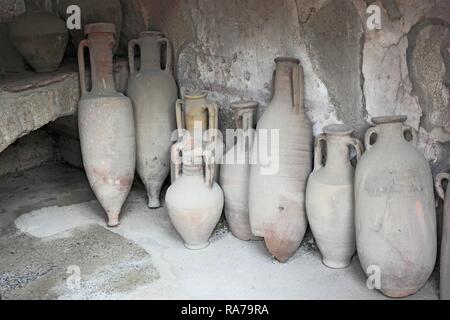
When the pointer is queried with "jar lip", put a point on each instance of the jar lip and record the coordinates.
(100, 27)
(389, 119)
(338, 129)
(287, 59)
(151, 34)
(195, 94)
(244, 105)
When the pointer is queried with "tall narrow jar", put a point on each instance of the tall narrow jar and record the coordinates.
(235, 171)
(106, 124)
(395, 209)
(330, 196)
(444, 287)
(154, 93)
(281, 164)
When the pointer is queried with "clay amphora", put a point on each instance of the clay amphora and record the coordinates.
(194, 201)
(395, 209)
(235, 171)
(196, 110)
(154, 93)
(330, 196)
(40, 37)
(196, 115)
(277, 190)
(104, 11)
(445, 243)
(106, 124)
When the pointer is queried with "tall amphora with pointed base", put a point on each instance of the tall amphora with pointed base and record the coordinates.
(444, 287)
(106, 124)
(235, 171)
(395, 214)
(281, 164)
(154, 92)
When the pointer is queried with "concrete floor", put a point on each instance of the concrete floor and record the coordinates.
(51, 227)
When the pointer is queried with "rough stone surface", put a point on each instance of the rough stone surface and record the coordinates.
(68, 148)
(352, 73)
(10, 59)
(335, 38)
(29, 152)
(427, 72)
(30, 101)
(11, 8)
(32, 268)
(228, 48)
(26, 110)
(46, 186)
(392, 9)
(138, 16)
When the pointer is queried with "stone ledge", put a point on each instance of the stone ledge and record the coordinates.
(28, 101)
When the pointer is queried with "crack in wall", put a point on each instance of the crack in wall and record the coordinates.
(415, 61)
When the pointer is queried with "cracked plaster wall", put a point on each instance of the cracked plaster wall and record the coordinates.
(352, 73)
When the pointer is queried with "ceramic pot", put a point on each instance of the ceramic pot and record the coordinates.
(104, 11)
(330, 196)
(235, 172)
(154, 93)
(195, 111)
(106, 124)
(277, 187)
(395, 209)
(198, 119)
(444, 289)
(40, 37)
(194, 201)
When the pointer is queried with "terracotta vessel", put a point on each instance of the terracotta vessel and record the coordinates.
(330, 196)
(277, 190)
(445, 243)
(154, 93)
(195, 111)
(40, 37)
(194, 201)
(395, 209)
(104, 11)
(106, 124)
(235, 172)
(199, 118)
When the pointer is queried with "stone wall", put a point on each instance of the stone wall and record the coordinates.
(352, 73)
(31, 151)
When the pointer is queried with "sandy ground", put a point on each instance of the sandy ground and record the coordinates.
(54, 244)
